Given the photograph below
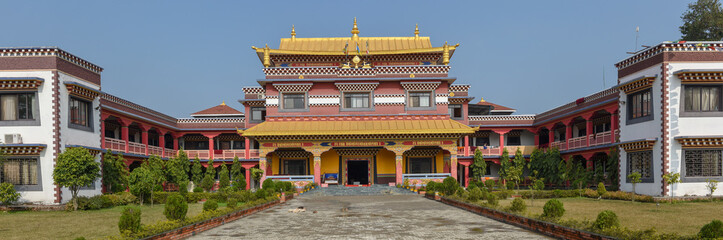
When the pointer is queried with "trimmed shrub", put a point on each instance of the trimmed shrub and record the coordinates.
(472, 186)
(8, 195)
(502, 194)
(130, 220)
(269, 185)
(553, 209)
(518, 205)
(492, 200)
(183, 189)
(450, 186)
(231, 203)
(210, 205)
(490, 184)
(606, 219)
(432, 186)
(197, 189)
(207, 183)
(176, 207)
(601, 189)
(712, 230)
(475, 194)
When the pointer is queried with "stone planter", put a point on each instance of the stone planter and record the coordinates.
(422, 192)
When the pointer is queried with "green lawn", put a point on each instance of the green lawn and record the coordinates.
(684, 218)
(90, 224)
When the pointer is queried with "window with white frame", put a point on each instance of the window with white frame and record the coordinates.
(641, 162)
(420, 99)
(703, 162)
(17, 106)
(357, 100)
(294, 100)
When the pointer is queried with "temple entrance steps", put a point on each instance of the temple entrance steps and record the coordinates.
(376, 189)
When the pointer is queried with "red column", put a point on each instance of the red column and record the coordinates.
(588, 158)
(502, 138)
(551, 135)
(144, 136)
(162, 141)
(568, 134)
(466, 145)
(175, 137)
(317, 170)
(248, 167)
(210, 137)
(124, 131)
(613, 126)
(102, 134)
(588, 129)
(466, 175)
(398, 159)
(246, 145)
(537, 137)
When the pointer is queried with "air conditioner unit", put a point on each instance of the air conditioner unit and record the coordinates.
(13, 139)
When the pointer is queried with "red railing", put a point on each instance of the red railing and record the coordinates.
(137, 148)
(253, 153)
(229, 154)
(202, 154)
(153, 150)
(115, 144)
(170, 152)
(560, 145)
(578, 142)
(600, 138)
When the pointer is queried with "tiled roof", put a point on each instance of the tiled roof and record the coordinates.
(496, 107)
(220, 110)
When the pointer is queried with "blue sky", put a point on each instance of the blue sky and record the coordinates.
(179, 57)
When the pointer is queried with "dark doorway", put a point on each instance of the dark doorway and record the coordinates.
(358, 172)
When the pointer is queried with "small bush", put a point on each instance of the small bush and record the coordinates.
(553, 209)
(475, 195)
(606, 219)
(8, 195)
(490, 184)
(210, 205)
(207, 183)
(518, 205)
(231, 203)
(197, 189)
(183, 189)
(269, 185)
(492, 200)
(130, 220)
(450, 186)
(502, 194)
(432, 186)
(97, 202)
(460, 192)
(176, 207)
(472, 186)
(601, 189)
(712, 230)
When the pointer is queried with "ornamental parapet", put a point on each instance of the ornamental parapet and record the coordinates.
(338, 72)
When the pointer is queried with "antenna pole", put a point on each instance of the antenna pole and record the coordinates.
(637, 30)
(603, 77)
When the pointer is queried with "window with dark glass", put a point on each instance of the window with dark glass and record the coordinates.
(294, 101)
(641, 162)
(295, 167)
(258, 114)
(703, 163)
(640, 104)
(482, 141)
(455, 110)
(17, 106)
(514, 141)
(420, 99)
(420, 165)
(20, 171)
(79, 112)
(702, 98)
(356, 100)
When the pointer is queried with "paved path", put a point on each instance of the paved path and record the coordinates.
(366, 217)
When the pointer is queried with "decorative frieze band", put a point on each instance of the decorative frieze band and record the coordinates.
(424, 152)
(420, 86)
(358, 152)
(636, 85)
(701, 76)
(293, 154)
(77, 90)
(358, 87)
(20, 84)
(700, 142)
(293, 87)
(24, 150)
(638, 145)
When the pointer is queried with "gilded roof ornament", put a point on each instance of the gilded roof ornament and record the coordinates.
(445, 54)
(293, 33)
(267, 56)
(355, 31)
(416, 32)
(223, 103)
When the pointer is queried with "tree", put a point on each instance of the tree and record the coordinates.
(505, 164)
(565, 171)
(156, 167)
(712, 185)
(75, 168)
(634, 179)
(211, 170)
(8, 194)
(177, 168)
(612, 166)
(515, 170)
(479, 166)
(670, 179)
(538, 184)
(703, 21)
(141, 182)
(115, 173)
(223, 180)
(256, 174)
(235, 168)
(197, 172)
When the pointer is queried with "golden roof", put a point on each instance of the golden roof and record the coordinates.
(370, 127)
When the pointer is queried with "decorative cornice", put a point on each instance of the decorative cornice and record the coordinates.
(356, 87)
(78, 90)
(638, 145)
(638, 84)
(700, 76)
(293, 154)
(420, 86)
(459, 87)
(501, 117)
(49, 51)
(357, 151)
(669, 47)
(20, 83)
(700, 142)
(210, 120)
(422, 152)
(293, 87)
(22, 149)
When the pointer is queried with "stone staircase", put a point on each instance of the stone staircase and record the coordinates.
(377, 189)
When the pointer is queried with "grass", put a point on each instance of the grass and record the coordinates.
(684, 218)
(91, 224)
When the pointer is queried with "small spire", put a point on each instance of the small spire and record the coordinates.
(416, 31)
(293, 32)
(223, 103)
(355, 30)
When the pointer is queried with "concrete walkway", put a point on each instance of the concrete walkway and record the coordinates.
(366, 217)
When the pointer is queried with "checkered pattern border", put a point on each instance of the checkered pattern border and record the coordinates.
(637, 146)
(22, 150)
(701, 77)
(356, 87)
(292, 87)
(253, 90)
(357, 152)
(702, 142)
(637, 85)
(420, 86)
(459, 88)
(20, 84)
(292, 154)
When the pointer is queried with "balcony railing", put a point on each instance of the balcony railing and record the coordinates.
(202, 154)
(153, 150)
(600, 138)
(421, 179)
(229, 154)
(170, 152)
(115, 144)
(137, 148)
(300, 181)
(526, 150)
(578, 142)
(253, 153)
(560, 145)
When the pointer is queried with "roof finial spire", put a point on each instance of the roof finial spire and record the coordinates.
(416, 31)
(293, 32)
(223, 103)
(355, 31)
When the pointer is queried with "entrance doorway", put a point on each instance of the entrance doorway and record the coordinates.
(357, 172)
